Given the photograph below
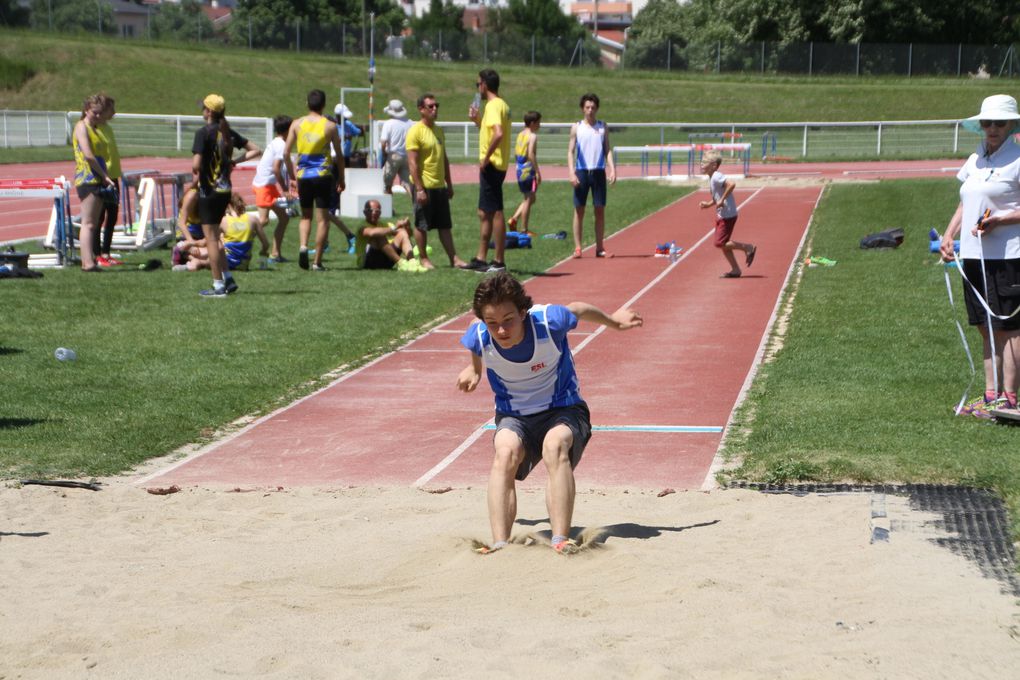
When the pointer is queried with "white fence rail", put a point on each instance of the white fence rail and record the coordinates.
(798, 141)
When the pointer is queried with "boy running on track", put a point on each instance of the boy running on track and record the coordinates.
(529, 177)
(540, 415)
(725, 206)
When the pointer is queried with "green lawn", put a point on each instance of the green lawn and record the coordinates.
(866, 375)
(158, 367)
(66, 68)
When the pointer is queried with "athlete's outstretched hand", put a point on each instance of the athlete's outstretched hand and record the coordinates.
(626, 319)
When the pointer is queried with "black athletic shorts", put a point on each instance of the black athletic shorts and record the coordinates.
(1003, 278)
(490, 189)
(376, 259)
(316, 191)
(435, 214)
(213, 207)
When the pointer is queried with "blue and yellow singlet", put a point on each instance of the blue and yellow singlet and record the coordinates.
(313, 150)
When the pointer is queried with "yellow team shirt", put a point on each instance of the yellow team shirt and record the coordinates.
(361, 241)
(113, 160)
(83, 173)
(313, 155)
(496, 113)
(238, 238)
(430, 143)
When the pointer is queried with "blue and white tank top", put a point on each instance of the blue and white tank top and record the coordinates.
(544, 380)
(590, 151)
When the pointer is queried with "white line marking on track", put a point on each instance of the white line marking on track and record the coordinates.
(718, 463)
(453, 455)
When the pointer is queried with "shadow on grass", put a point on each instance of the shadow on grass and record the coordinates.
(15, 423)
(5, 351)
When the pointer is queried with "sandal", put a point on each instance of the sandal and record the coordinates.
(750, 256)
(577, 253)
(730, 275)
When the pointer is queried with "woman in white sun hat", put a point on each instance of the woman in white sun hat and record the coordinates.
(987, 222)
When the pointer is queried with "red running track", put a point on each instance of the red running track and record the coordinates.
(686, 367)
(27, 218)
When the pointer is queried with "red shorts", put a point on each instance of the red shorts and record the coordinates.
(724, 230)
(265, 197)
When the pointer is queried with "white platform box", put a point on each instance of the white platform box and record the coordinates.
(363, 185)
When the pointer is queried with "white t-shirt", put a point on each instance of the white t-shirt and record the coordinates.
(264, 175)
(991, 183)
(394, 134)
(717, 185)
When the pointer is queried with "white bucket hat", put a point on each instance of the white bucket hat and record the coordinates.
(996, 107)
(396, 109)
(341, 110)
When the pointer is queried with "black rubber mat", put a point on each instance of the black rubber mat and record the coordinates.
(976, 520)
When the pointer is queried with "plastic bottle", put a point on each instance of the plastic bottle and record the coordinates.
(476, 103)
(65, 354)
(674, 252)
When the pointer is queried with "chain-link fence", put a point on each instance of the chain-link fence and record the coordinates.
(186, 23)
(864, 59)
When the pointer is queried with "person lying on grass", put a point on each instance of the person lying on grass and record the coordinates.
(540, 415)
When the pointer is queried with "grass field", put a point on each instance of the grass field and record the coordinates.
(56, 73)
(159, 367)
(64, 69)
(866, 375)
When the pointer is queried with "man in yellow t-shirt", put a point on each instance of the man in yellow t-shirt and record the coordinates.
(493, 159)
(430, 173)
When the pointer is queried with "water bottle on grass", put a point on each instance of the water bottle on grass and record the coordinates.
(65, 354)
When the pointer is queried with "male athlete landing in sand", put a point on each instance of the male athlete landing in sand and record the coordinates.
(540, 415)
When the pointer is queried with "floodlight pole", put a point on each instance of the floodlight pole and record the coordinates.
(371, 94)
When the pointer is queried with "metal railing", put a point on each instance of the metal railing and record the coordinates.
(793, 140)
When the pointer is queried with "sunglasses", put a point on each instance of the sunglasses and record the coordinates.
(478, 84)
(433, 105)
(996, 123)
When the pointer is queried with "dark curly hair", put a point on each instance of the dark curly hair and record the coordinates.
(495, 290)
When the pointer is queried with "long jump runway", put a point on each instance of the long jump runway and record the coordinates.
(660, 395)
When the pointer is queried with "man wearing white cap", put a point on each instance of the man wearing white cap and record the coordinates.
(349, 130)
(392, 140)
(987, 222)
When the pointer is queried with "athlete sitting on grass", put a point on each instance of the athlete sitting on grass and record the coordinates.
(385, 247)
(540, 415)
(238, 230)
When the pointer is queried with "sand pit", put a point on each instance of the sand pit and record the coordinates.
(381, 582)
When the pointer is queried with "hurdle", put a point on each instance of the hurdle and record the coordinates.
(58, 231)
(148, 219)
(742, 149)
(665, 156)
(768, 140)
